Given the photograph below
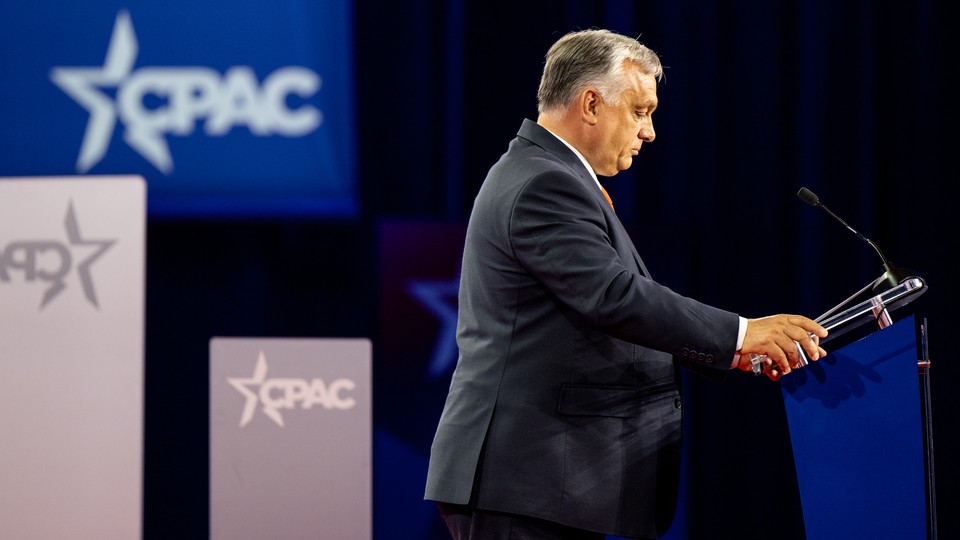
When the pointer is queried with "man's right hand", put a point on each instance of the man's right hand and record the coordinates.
(776, 337)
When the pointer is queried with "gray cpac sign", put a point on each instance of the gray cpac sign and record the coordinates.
(50, 261)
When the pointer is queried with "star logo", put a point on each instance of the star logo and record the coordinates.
(83, 269)
(242, 385)
(440, 298)
(83, 85)
(51, 261)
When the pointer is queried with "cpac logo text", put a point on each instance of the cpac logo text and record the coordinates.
(288, 393)
(182, 96)
(50, 261)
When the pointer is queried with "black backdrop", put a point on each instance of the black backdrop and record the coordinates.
(849, 99)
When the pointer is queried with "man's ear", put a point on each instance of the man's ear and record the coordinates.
(590, 105)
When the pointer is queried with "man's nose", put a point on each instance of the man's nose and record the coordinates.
(647, 132)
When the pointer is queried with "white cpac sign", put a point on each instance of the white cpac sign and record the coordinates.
(190, 94)
(286, 393)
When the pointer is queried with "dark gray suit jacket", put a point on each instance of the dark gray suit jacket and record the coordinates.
(565, 402)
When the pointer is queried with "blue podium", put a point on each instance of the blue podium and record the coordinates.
(860, 432)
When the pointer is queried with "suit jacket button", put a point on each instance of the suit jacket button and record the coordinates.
(676, 403)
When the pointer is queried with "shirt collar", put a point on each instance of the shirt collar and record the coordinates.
(580, 156)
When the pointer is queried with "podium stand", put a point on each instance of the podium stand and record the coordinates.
(859, 427)
(290, 438)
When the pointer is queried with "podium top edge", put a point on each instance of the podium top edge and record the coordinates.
(893, 298)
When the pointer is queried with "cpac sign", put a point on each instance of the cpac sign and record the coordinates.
(285, 393)
(186, 95)
(50, 261)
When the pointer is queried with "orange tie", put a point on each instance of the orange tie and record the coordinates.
(607, 195)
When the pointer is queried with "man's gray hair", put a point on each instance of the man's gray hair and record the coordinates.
(591, 58)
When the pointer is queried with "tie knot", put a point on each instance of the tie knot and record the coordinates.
(607, 195)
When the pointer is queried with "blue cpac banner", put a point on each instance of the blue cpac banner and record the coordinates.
(240, 107)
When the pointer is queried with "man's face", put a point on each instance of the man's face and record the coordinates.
(625, 125)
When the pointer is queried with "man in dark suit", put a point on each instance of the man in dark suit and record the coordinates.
(563, 414)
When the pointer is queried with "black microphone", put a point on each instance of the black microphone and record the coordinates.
(892, 275)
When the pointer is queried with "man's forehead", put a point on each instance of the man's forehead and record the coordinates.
(644, 87)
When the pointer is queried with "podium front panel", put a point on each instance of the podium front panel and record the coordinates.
(290, 438)
(856, 429)
(72, 273)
